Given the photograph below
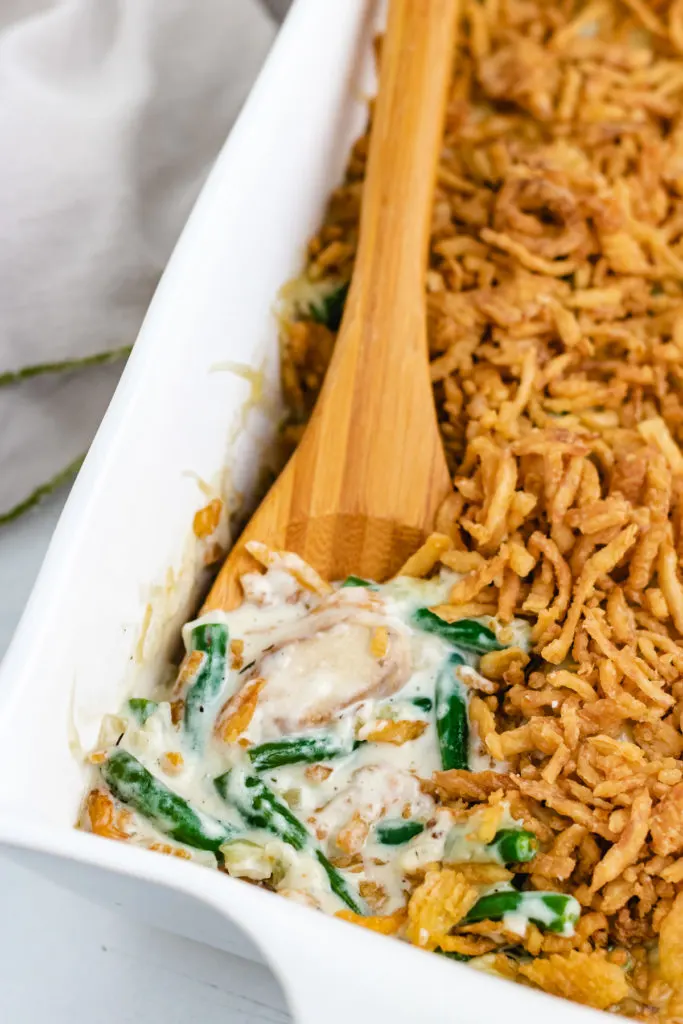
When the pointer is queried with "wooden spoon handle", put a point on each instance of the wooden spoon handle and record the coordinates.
(363, 487)
(372, 446)
(407, 129)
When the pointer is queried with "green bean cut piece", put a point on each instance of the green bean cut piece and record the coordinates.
(423, 703)
(452, 724)
(461, 957)
(397, 831)
(468, 634)
(211, 639)
(141, 709)
(322, 746)
(514, 845)
(261, 808)
(338, 884)
(358, 581)
(132, 784)
(329, 310)
(551, 911)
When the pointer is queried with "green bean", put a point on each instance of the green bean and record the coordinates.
(552, 911)
(358, 581)
(330, 308)
(461, 957)
(211, 639)
(397, 831)
(514, 845)
(424, 703)
(338, 884)
(322, 746)
(132, 784)
(452, 725)
(467, 634)
(141, 709)
(261, 808)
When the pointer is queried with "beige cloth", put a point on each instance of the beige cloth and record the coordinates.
(111, 113)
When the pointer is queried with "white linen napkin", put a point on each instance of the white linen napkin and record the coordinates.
(111, 113)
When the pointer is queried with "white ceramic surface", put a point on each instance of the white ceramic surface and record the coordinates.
(94, 964)
(178, 414)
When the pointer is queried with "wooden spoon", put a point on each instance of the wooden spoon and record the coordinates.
(362, 489)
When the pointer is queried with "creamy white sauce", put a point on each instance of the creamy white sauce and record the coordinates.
(534, 910)
(463, 846)
(346, 664)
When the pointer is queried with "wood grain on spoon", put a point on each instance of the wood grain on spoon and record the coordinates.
(362, 489)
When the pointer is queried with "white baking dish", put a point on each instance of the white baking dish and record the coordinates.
(179, 415)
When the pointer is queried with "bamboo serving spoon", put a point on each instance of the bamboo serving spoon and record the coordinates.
(362, 489)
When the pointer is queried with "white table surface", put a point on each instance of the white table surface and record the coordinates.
(64, 961)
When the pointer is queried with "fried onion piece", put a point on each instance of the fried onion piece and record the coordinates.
(667, 823)
(671, 944)
(587, 978)
(425, 558)
(388, 924)
(627, 848)
(438, 905)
